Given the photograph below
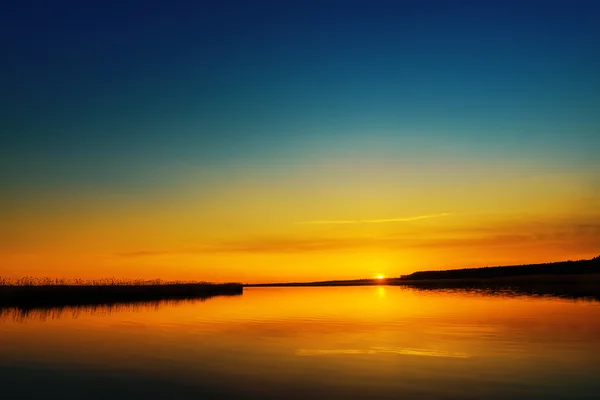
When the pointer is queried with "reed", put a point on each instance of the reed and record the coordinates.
(44, 292)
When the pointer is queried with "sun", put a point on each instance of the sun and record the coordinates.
(379, 276)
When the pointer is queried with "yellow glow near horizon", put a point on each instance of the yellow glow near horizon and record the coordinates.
(264, 230)
(379, 276)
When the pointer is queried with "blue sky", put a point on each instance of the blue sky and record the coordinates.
(135, 83)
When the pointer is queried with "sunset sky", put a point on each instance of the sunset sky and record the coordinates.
(271, 141)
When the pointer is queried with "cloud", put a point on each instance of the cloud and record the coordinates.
(292, 245)
(574, 235)
(374, 221)
(147, 253)
(265, 245)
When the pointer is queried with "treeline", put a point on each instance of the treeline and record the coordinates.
(555, 268)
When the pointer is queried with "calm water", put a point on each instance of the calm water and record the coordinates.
(345, 342)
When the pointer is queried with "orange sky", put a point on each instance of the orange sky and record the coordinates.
(308, 223)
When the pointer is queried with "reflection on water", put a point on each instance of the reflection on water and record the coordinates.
(374, 350)
(579, 291)
(322, 342)
(24, 314)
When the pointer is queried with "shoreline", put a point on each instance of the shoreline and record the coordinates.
(585, 286)
(557, 272)
(41, 296)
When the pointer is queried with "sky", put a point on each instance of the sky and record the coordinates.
(273, 141)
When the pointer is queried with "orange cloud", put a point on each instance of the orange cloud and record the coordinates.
(586, 235)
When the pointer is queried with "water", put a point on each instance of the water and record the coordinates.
(323, 343)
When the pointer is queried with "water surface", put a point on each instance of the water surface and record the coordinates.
(321, 342)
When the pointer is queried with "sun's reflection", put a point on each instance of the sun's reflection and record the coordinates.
(379, 350)
(394, 337)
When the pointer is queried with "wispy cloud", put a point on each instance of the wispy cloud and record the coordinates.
(375, 221)
(584, 235)
(147, 253)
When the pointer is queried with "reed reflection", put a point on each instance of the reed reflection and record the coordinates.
(24, 314)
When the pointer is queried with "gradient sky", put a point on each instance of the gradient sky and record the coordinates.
(267, 141)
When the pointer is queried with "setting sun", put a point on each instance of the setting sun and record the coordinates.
(379, 276)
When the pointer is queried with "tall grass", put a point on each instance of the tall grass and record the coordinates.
(43, 281)
(30, 292)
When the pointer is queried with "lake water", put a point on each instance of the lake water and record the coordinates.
(375, 342)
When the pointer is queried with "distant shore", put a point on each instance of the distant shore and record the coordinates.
(574, 279)
(32, 296)
(569, 279)
(556, 271)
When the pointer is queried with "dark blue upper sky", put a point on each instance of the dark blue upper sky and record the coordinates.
(101, 93)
